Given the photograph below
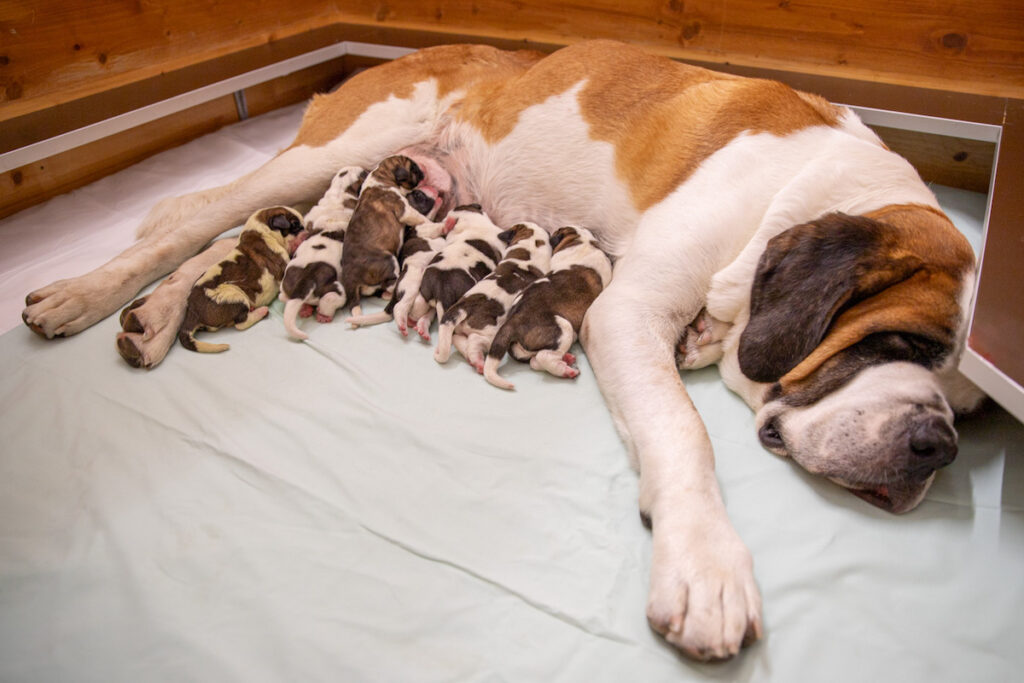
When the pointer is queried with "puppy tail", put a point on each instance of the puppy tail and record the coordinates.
(492, 376)
(368, 319)
(444, 342)
(291, 312)
(188, 340)
(499, 347)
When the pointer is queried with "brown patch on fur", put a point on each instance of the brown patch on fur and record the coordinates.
(452, 66)
(531, 322)
(637, 101)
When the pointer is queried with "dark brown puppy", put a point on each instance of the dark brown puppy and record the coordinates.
(237, 290)
(546, 319)
(369, 262)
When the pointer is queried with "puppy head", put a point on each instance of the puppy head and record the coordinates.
(284, 221)
(570, 237)
(397, 170)
(472, 212)
(350, 180)
(855, 324)
(522, 232)
(425, 200)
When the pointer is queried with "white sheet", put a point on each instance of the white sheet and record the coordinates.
(347, 510)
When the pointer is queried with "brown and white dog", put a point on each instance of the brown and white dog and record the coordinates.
(312, 277)
(547, 317)
(472, 249)
(237, 290)
(721, 190)
(369, 261)
(419, 246)
(470, 324)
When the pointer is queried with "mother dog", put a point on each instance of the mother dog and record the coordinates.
(836, 289)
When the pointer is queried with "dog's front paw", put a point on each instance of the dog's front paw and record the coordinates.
(67, 307)
(703, 597)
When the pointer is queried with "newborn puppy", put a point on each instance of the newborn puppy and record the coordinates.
(312, 276)
(369, 262)
(546, 319)
(236, 291)
(470, 253)
(473, 320)
(419, 246)
(334, 210)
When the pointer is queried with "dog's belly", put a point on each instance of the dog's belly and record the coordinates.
(547, 170)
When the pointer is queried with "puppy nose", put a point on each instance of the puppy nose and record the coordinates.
(933, 442)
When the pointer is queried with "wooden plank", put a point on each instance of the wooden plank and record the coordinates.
(54, 51)
(37, 182)
(945, 160)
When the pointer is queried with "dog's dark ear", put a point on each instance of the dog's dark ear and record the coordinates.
(807, 277)
(507, 235)
(475, 208)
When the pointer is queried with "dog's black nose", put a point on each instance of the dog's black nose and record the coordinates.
(932, 442)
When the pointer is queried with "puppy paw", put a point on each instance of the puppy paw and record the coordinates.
(701, 343)
(324, 318)
(306, 310)
(703, 598)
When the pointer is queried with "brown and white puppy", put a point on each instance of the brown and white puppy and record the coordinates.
(312, 276)
(419, 246)
(472, 250)
(237, 290)
(369, 262)
(546, 319)
(334, 210)
(473, 321)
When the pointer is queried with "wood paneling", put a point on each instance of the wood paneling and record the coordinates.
(39, 181)
(52, 51)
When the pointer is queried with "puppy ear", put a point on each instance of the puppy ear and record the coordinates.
(507, 235)
(806, 277)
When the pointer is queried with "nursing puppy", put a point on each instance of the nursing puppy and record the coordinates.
(474, 319)
(369, 262)
(334, 210)
(419, 246)
(472, 251)
(546, 319)
(237, 290)
(312, 276)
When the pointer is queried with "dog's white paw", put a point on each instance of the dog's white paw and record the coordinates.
(703, 598)
(67, 307)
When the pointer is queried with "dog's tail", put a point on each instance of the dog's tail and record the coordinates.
(499, 347)
(291, 312)
(368, 319)
(187, 337)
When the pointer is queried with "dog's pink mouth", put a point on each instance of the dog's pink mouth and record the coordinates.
(893, 497)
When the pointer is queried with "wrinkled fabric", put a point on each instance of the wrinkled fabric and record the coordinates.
(346, 509)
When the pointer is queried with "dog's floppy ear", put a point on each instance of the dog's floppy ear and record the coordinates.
(507, 235)
(823, 286)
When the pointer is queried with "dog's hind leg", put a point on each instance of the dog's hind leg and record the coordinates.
(359, 124)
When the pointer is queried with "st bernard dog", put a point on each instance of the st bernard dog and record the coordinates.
(836, 288)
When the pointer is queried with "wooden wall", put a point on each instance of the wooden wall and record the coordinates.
(55, 50)
(67, 64)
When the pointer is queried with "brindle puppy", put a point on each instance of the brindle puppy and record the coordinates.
(369, 262)
(237, 290)
(546, 319)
